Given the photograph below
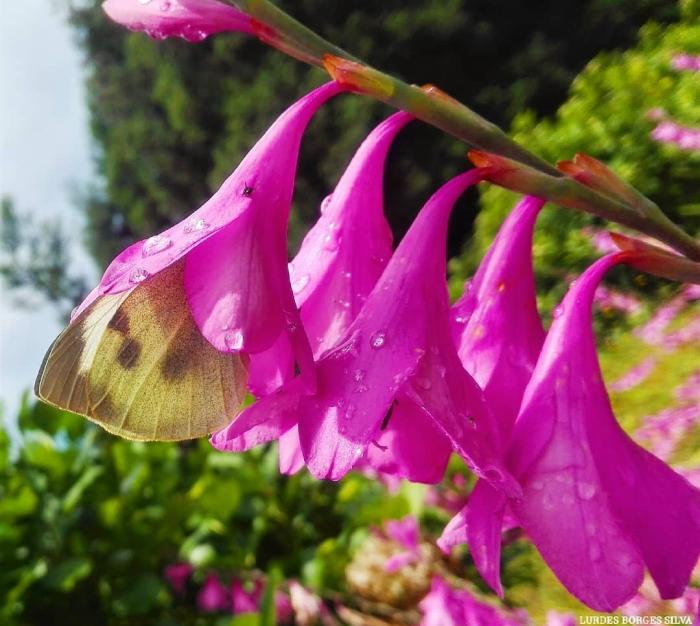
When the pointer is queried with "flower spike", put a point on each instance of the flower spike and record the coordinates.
(398, 350)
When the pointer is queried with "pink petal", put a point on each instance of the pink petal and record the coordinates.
(400, 447)
(291, 459)
(500, 334)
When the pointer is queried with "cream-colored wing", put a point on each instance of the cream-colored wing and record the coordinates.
(136, 364)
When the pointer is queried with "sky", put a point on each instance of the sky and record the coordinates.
(44, 157)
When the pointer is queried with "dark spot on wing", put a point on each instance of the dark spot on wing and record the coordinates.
(129, 353)
(175, 364)
(119, 322)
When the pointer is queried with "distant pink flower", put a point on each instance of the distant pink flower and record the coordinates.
(607, 298)
(667, 428)
(669, 132)
(283, 607)
(243, 601)
(308, 607)
(688, 62)
(192, 20)
(177, 574)
(394, 370)
(635, 376)
(594, 503)
(233, 251)
(560, 619)
(444, 606)
(689, 391)
(653, 331)
(406, 533)
(601, 240)
(213, 596)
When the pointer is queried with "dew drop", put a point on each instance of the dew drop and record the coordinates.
(331, 242)
(462, 319)
(558, 310)
(192, 34)
(144, 2)
(586, 490)
(494, 475)
(299, 284)
(547, 502)
(501, 286)
(567, 498)
(138, 275)
(538, 485)
(195, 226)
(424, 383)
(326, 202)
(378, 340)
(166, 5)
(156, 244)
(234, 339)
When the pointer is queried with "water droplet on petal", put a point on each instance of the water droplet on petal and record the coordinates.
(195, 225)
(193, 34)
(537, 485)
(494, 475)
(326, 202)
(166, 5)
(594, 552)
(558, 310)
(424, 383)
(138, 275)
(501, 286)
(462, 319)
(144, 2)
(234, 339)
(299, 284)
(156, 244)
(331, 242)
(377, 340)
(567, 498)
(586, 490)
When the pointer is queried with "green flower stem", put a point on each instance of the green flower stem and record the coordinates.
(293, 38)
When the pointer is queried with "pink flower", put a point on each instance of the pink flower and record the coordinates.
(243, 601)
(560, 619)
(499, 335)
(495, 323)
(406, 533)
(395, 369)
(212, 597)
(610, 299)
(232, 251)
(635, 376)
(339, 263)
(599, 508)
(177, 574)
(283, 607)
(686, 62)
(193, 20)
(444, 606)
(308, 608)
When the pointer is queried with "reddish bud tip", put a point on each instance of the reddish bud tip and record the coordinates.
(655, 260)
(358, 78)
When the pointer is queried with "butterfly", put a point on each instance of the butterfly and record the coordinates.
(136, 364)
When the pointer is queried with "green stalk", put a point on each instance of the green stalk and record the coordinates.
(284, 32)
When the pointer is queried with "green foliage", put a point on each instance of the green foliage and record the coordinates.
(89, 521)
(606, 116)
(172, 119)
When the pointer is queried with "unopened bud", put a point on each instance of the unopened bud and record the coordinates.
(358, 77)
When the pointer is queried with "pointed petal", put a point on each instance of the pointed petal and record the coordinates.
(496, 324)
